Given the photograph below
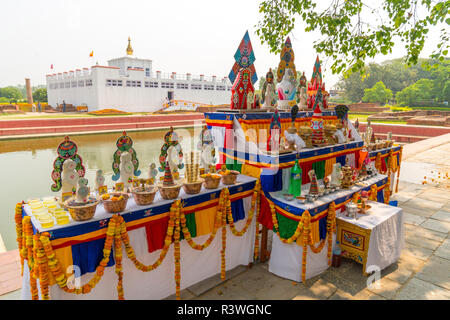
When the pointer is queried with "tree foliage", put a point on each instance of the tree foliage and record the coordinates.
(40, 94)
(378, 93)
(418, 93)
(13, 94)
(347, 35)
(396, 76)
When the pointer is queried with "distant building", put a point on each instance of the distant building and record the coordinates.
(129, 84)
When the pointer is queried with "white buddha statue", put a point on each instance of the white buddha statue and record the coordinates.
(152, 173)
(99, 179)
(126, 169)
(286, 89)
(82, 194)
(336, 175)
(69, 176)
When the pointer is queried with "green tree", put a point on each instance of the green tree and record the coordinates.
(395, 74)
(11, 93)
(378, 93)
(40, 94)
(348, 37)
(421, 91)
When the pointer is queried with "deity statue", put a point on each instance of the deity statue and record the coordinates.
(126, 169)
(286, 90)
(82, 193)
(269, 96)
(336, 175)
(69, 176)
(339, 135)
(206, 147)
(273, 142)
(302, 96)
(152, 173)
(99, 179)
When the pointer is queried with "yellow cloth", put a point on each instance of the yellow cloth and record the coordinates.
(251, 171)
(205, 221)
(329, 166)
(314, 231)
(64, 256)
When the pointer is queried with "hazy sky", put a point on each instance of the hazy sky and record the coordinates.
(196, 36)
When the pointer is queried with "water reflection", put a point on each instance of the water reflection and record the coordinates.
(26, 165)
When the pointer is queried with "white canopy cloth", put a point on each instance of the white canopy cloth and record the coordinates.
(159, 283)
(387, 234)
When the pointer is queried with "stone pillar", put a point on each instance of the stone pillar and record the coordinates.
(29, 91)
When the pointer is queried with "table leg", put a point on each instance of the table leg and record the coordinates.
(263, 255)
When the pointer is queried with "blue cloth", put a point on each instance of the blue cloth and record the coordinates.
(380, 196)
(272, 180)
(237, 210)
(341, 160)
(393, 203)
(87, 255)
(323, 228)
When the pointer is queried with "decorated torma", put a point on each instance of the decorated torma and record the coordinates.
(125, 144)
(66, 150)
(241, 89)
(171, 152)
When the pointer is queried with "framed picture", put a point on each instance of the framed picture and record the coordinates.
(119, 187)
(102, 190)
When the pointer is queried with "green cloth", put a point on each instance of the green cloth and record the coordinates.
(286, 226)
(234, 166)
(319, 168)
(191, 225)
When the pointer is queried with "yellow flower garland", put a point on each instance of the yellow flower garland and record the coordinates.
(258, 210)
(373, 193)
(398, 167)
(42, 261)
(19, 231)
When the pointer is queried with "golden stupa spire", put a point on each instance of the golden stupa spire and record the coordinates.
(129, 48)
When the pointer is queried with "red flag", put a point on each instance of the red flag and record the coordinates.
(51, 67)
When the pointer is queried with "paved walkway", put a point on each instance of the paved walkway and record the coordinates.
(421, 273)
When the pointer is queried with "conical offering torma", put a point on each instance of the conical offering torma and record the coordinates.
(168, 178)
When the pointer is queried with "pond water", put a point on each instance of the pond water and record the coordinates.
(26, 166)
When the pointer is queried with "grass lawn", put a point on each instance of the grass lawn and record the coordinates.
(363, 118)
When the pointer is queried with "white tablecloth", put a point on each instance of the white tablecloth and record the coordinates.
(286, 260)
(385, 246)
(387, 235)
(159, 283)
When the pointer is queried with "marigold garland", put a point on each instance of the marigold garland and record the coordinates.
(118, 260)
(297, 232)
(258, 210)
(378, 162)
(224, 246)
(176, 238)
(387, 190)
(19, 231)
(398, 167)
(42, 261)
(373, 193)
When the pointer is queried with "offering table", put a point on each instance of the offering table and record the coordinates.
(79, 245)
(286, 258)
(374, 239)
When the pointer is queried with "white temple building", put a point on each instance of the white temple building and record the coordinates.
(129, 84)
